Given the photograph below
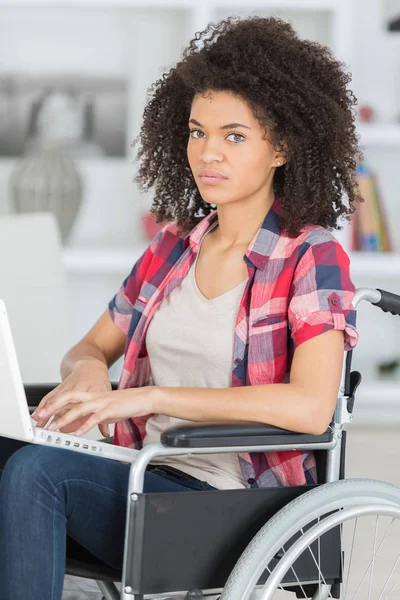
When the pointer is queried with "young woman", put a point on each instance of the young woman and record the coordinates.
(239, 313)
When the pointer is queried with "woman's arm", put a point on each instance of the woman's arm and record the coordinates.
(306, 404)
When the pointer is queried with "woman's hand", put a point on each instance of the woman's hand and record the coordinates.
(87, 376)
(92, 408)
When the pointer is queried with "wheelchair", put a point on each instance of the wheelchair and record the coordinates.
(268, 543)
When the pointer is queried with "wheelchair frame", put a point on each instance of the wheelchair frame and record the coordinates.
(211, 439)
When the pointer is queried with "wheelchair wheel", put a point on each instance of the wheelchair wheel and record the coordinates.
(366, 515)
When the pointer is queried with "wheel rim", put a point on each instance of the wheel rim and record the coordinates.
(250, 570)
(365, 586)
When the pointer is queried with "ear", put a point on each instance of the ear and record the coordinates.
(281, 155)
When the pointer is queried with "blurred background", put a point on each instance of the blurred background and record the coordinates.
(73, 86)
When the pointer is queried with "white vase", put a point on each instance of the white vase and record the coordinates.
(48, 180)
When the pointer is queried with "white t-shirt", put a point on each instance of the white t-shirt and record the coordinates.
(190, 344)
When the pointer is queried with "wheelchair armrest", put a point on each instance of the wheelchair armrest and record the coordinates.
(36, 391)
(207, 435)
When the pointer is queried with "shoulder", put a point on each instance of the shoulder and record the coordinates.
(317, 243)
(312, 235)
(168, 237)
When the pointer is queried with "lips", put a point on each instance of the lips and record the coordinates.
(212, 177)
(211, 173)
(212, 180)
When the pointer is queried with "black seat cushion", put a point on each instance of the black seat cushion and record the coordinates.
(82, 563)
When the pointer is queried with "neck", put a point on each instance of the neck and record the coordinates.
(239, 222)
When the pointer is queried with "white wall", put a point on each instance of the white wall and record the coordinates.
(139, 44)
(142, 44)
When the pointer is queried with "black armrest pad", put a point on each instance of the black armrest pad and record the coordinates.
(36, 391)
(207, 435)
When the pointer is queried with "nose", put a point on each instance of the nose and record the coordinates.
(211, 152)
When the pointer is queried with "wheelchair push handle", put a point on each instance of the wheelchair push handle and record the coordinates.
(388, 302)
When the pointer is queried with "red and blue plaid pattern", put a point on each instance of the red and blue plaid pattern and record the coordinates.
(298, 288)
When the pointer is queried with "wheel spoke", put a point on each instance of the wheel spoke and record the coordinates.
(295, 574)
(350, 559)
(387, 580)
(393, 588)
(373, 559)
(318, 567)
(369, 566)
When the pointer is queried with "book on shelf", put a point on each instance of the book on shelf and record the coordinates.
(369, 230)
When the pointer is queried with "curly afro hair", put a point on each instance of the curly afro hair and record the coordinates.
(297, 92)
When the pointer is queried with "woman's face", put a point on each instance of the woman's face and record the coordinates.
(225, 137)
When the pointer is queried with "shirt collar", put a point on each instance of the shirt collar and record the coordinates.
(262, 244)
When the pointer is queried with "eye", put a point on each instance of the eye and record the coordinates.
(237, 135)
(192, 131)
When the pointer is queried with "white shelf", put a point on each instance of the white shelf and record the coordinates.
(375, 264)
(117, 260)
(380, 135)
(111, 261)
(121, 260)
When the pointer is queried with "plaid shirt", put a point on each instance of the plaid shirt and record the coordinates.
(298, 288)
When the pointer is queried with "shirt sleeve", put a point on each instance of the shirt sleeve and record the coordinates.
(122, 304)
(321, 295)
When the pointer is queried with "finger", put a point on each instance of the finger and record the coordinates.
(47, 400)
(44, 401)
(78, 412)
(41, 422)
(104, 430)
(42, 406)
(63, 400)
(91, 422)
(55, 418)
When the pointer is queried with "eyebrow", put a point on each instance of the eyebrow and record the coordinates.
(228, 126)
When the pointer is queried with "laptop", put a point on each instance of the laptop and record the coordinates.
(15, 419)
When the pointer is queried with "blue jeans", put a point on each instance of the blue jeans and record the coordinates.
(49, 493)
